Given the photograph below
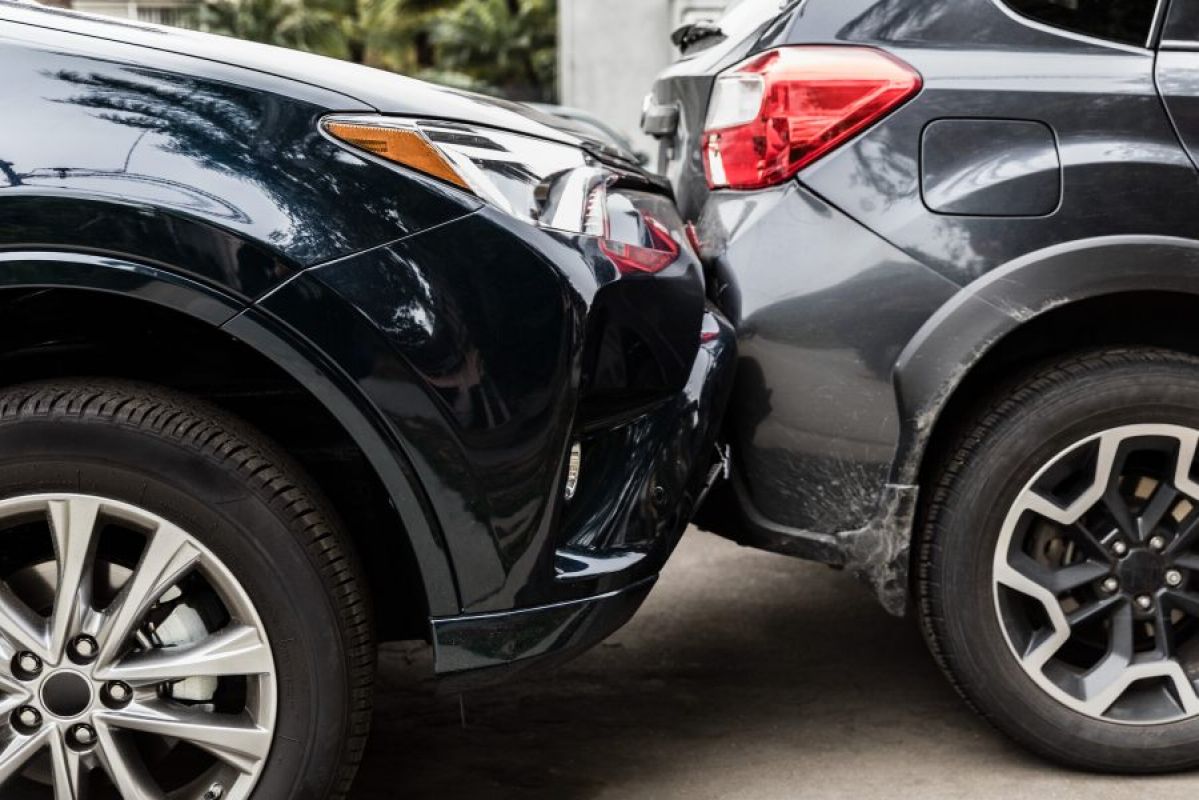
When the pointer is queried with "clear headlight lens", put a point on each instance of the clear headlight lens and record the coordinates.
(545, 183)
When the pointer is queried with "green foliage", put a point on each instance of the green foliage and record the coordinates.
(279, 22)
(509, 45)
(502, 46)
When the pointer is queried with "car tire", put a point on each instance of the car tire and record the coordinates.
(1090, 684)
(171, 492)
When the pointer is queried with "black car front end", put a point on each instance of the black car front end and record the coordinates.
(500, 324)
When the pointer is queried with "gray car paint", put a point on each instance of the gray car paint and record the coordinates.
(990, 167)
(862, 307)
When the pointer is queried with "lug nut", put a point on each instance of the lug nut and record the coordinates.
(28, 719)
(83, 735)
(1144, 602)
(1173, 577)
(119, 693)
(1157, 543)
(1110, 585)
(84, 649)
(1120, 549)
(28, 666)
(215, 792)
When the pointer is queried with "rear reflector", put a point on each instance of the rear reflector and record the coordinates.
(776, 113)
(632, 259)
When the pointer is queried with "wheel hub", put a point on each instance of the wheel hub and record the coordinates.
(1142, 572)
(66, 694)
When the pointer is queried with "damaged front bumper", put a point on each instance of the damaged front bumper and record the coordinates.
(642, 483)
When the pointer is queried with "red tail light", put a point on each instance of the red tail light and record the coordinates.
(776, 113)
(631, 259)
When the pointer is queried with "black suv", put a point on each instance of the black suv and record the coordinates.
(296, 356)
(959, 242)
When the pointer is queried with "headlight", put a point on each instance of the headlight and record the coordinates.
(545, 183)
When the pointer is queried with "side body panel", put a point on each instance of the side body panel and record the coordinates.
(823, 309)
(1178, 71)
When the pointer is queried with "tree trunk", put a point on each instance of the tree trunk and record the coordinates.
(425, 55)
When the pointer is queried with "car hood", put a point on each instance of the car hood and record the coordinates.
(384, 92)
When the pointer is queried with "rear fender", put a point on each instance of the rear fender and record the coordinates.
(956, 338)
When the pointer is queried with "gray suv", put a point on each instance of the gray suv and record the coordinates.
(959, 242)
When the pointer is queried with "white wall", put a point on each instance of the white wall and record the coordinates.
(610, 50)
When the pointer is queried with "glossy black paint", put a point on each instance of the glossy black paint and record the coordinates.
(625, 523)
(480, 649)
(475, 362)
(462, 351)
(858, 290)
(301, 75)
(227, 174)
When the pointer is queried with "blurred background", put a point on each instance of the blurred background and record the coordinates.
(598, 56)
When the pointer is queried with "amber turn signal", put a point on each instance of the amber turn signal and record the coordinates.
(398, 145)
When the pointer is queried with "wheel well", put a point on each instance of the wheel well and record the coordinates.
(1149, 319)
(55, 333)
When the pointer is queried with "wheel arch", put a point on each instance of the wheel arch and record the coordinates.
(245, 344)
(1096, 292)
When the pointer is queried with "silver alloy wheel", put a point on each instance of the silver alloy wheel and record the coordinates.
(1096, 578)
(99, 678)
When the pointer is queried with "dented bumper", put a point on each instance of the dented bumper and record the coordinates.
(642, 481)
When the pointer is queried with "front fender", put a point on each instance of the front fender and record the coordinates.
(268, 337)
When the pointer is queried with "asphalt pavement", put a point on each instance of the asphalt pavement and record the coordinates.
(745, 676)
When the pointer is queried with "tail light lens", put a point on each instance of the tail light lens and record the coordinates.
(630, 259)
(777, 112)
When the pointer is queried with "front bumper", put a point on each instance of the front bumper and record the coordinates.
(643, 482)
(483, 649)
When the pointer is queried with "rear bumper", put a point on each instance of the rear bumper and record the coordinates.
(822, 306)
(622, 543)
